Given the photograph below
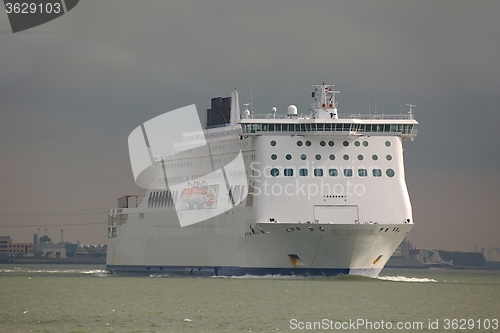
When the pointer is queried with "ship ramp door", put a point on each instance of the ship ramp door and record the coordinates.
(336, 214)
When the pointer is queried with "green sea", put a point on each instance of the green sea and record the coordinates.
(77, 298)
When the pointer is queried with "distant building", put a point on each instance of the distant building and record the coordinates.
(9, 248)
(49, 250)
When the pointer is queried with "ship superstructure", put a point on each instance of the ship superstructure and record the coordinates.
(315, 194)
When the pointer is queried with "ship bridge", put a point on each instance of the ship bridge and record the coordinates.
(324, 119)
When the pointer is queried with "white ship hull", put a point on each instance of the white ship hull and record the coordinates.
(318, 196)
(221, 246)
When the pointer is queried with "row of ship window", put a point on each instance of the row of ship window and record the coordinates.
(332, 157)
(331, 143)
(332, 172)
(314, 127)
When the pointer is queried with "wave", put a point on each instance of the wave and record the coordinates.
(405, 279)
(96, 272)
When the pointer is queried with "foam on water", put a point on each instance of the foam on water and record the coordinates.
(405, 279)
(96, 272)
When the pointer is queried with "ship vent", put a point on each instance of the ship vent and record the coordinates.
(220, 112)
(295, 260)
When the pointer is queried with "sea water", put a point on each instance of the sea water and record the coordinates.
(77, 298)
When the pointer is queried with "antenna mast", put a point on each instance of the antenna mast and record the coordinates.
(411, 106)
(251, 93)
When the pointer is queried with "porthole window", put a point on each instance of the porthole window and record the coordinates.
(318, 157)
(365, 143)
(322, 143)
(273, 143)
(356, 143)
(377, 173)
(331, 143)
(333, 172)
(288, 172)
(332, 157)
(360, 157)
(362, 172)
(288, 157)
(318, 172)
(303, 157)
(345, 143)
(346, 157)
(375, 157)
(389, 173)
(348, 172)
(388, 143)
(308, 143)
(389, 157)
(275, 172)
(274, 156)
(303, 172)
(299, 143)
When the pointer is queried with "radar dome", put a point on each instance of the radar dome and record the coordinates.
(292, 109)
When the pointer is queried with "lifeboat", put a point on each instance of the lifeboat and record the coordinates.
(186, 193)
(196, 193)
(209, 198)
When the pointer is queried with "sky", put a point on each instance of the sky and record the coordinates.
(73, 89)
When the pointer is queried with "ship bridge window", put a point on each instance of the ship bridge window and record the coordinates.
(348, 172)
(303, 172)
(318, 172)
(390, 173)
(333, 172)
(275, 172)
(288, 172)
(303, 157)
(362, 172)
(377, 173)
(332, 157)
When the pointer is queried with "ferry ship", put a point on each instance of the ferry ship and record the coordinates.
(312, 194)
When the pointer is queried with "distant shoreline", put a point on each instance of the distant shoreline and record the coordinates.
(63, 261)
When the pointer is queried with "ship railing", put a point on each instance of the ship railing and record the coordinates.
(375, 116)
